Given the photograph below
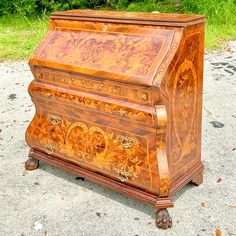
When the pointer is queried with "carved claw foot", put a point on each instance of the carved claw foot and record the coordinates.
(31, 164)
(163, 219)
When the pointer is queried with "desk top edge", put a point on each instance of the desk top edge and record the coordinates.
(137, 16)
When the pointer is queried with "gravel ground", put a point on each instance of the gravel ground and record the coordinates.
(49, 201)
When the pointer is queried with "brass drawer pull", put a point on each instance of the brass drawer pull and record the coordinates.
(55, 120)
(104, 28)
(48, 148)
(123, 175)
(126, 142)
(144, 96)
(40, 75)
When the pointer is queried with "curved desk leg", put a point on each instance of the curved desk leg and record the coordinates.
(163, 219)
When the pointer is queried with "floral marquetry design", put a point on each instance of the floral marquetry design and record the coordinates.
(184, 102)
(113, 109)
(183, 89)
(120, 53)
(184, 92)
(86, 84)
(91, 144)
(118, 100)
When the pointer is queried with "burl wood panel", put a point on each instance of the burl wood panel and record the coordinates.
(118, 100)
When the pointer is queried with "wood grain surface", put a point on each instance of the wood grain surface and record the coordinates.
(118, 99)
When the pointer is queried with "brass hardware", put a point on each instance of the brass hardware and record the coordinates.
(48, 95)
(104, 28)
(126, 142)
(119, 113)
(55, 120)
(40, 75)
(144, 96)
(48, 148)
(123, 175)
(161, 116)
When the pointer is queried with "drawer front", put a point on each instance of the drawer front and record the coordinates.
(120, 154)
(133, 93)
(142, 115)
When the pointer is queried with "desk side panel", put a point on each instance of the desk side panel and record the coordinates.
(181, 91)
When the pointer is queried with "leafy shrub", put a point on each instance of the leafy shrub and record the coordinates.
(216, 11)
(223, 11)
(21, 32)
(149, 6)
(17, 6)
(42, 7)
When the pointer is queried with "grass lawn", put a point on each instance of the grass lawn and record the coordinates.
(20, 35)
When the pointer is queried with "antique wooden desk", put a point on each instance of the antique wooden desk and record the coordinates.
(118, 100)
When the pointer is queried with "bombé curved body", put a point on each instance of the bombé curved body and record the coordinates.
(118, 100)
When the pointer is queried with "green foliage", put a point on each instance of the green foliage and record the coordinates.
(20, 35)
(216, 33)
(221, 19)
(42, 7)
(216, 11)
(17, 6)
(149, 6)
(142, 5)
(21, 32)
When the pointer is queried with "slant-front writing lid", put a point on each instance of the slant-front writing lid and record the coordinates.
(128, 47)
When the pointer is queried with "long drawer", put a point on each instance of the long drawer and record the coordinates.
(95, 142)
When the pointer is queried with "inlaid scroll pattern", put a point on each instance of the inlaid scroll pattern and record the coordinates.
(115, 90)
(91, 144)
(184, 107)
(95, 104)
(184, 94)
(118, 53)
(164, 186)
(161, 152)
